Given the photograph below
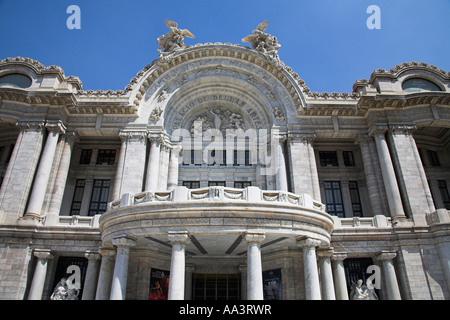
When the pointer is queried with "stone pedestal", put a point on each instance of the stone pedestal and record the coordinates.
(254, 266)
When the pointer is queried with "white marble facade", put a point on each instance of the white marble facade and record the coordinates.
(217, 159)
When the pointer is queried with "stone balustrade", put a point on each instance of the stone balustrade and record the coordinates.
(249, 194)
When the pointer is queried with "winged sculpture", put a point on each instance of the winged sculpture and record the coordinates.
(263, 42)
(174, 39)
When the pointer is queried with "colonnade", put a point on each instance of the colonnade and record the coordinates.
(107, 271)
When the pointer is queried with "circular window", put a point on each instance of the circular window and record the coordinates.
(419, 84)
(15, 80)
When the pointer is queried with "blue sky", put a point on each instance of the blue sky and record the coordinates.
(326, 42)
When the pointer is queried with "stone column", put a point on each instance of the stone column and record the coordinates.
(303, 164)
(43, 172)
(312, 284)
(119, 281)
(364, 142)
(254, 266)
(340, 284)
(172, 180)
(177, 264)
(90, 282)
(412, 179)
(387, 170)
(151, 182)
(106, 274)
(326, 275)
(188, 282)
(40, 272)
(61, 179)
(20, 172)
(392, 289)
(131, 163)
(279, 161)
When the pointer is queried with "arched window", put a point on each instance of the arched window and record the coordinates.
(15, 80)
(419, 84)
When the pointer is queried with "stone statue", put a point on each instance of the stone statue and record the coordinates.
(360, 291)
(264, 43)
(64, 291)
(173, 40)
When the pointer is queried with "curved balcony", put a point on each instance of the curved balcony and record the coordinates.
(216, 212)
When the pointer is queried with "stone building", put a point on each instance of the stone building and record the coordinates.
(217, 174)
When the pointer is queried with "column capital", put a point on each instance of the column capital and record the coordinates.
(107, 251)
(92, 255)
(55, 126)
(255, 237)
(377, 130)
(155, 137)
(124, 242)
(30, 125)
(387, 255)
(363, 139)
(178, 237)
(308, 242)
(339, 256)
(43, 254)
(403, 129)
(296, 137)
(132, 135)
(325, 252)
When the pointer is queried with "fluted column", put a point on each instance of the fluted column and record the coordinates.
(106, 274)
(340, 284)
(279, 161)
(172, 180)
(177, 264)
(43, 172)
(390, 278)
(387, 170)
(119, 281)
(91, 280)
(311, 273)
(40, 271)
(326, 275)
(254, 266)
(151, 183)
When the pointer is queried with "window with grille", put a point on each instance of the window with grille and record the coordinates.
(355, 269)
(242, 184)
(333, 197)
(444, 193)
(99, 197)
(328, 158)
(191, 184)
(216, 286)
(61, 271)
(85, 157)
(216, 184)
(77, 197)
(356, 200)
(106, 156)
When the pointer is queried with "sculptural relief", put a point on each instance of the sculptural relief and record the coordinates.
(172, 40)
(217, 118)
(64, 291)
(359, 291)
(264, 43)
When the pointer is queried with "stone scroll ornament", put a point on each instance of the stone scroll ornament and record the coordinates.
(264, 43)
(172, 41)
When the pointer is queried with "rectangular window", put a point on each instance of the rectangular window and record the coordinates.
(242, 184)
(241, 158)
(444, 193)
(354, 196)
(99, 197)
(216, 184)
(349, 161)
(328, 158)
(216, 286)
(191, 184)
(85, 157)
(433, 157)
(77, 197)
(106, 156)
(333, 197)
